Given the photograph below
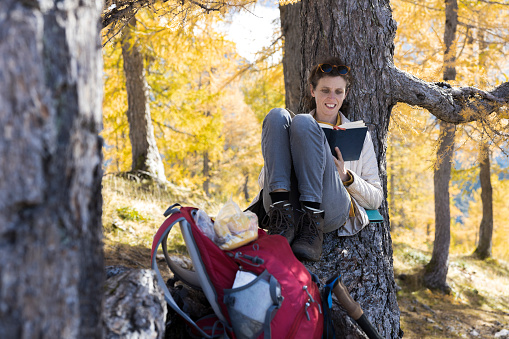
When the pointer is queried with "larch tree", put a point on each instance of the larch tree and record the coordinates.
(435, 273)
(483, 249)
(119, 17)
(484, 246)
(292, 54)
(190, 71)
(362, 34)
(50, 160)
(146, 160)
(420, 51)
(488, 36)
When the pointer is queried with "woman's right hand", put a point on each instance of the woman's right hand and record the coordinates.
(340, 165)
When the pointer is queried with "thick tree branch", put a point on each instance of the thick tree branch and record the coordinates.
(451, 104)
(116, 10)
(501, 91)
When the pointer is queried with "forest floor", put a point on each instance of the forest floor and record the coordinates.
(478, 306)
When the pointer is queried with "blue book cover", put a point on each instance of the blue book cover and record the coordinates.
(349, 140)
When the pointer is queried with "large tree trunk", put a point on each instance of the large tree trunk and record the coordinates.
(483, 249)
(333, 28)
(362, 34)
(435, 274)
(436, 270)
(145, 154)
(50, 184)
(290, 27)
(134, 306)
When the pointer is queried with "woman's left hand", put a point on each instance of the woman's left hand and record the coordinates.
(340, 165)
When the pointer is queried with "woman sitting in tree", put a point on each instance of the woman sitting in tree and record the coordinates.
(306, 190)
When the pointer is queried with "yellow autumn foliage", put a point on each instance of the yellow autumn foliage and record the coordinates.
(207, 105)
(193, 100)
(481, 46)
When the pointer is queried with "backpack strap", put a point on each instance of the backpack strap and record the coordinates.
(189, 277)
(194, 252)
(328, 326)
(161, 235)
(271, 312)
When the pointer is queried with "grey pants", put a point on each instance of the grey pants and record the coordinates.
(298, 159)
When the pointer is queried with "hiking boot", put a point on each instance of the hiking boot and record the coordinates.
(280, 220)
(309, 237)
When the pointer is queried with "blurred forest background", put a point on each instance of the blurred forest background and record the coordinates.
(206, 104)
(182, 111)
(203, 102)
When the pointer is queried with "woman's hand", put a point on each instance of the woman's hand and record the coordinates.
(340, 165)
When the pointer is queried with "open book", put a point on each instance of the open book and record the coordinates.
(349, 141)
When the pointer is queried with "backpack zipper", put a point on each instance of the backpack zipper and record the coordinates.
(311, 300)
(307, 304)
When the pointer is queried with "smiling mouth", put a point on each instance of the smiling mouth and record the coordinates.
(330, 105)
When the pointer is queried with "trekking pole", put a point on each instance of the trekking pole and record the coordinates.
(352, 307)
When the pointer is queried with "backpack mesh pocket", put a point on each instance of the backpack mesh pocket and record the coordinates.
(252, 307)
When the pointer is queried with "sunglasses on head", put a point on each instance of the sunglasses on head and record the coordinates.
(328, 68)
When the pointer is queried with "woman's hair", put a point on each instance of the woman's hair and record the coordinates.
(315, 74)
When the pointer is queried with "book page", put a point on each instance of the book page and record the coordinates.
(347, 125)
(353, 124)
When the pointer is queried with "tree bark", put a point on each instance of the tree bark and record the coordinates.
(436, 270)
(290, 27)
(360, 33)
(145, 154)
(435, 274)
(134, 306)
(455, 105)
(451, 24)
(483, 250)
(50, 188)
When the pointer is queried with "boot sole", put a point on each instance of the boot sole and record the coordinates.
(305, 256)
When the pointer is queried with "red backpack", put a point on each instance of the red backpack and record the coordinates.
(280, 300)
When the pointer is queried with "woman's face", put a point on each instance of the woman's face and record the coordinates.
(329, 94)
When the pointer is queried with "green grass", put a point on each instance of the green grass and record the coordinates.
(129, 213)
(133, 211)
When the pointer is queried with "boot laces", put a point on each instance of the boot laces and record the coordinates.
(279, 219)
(309, 226)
